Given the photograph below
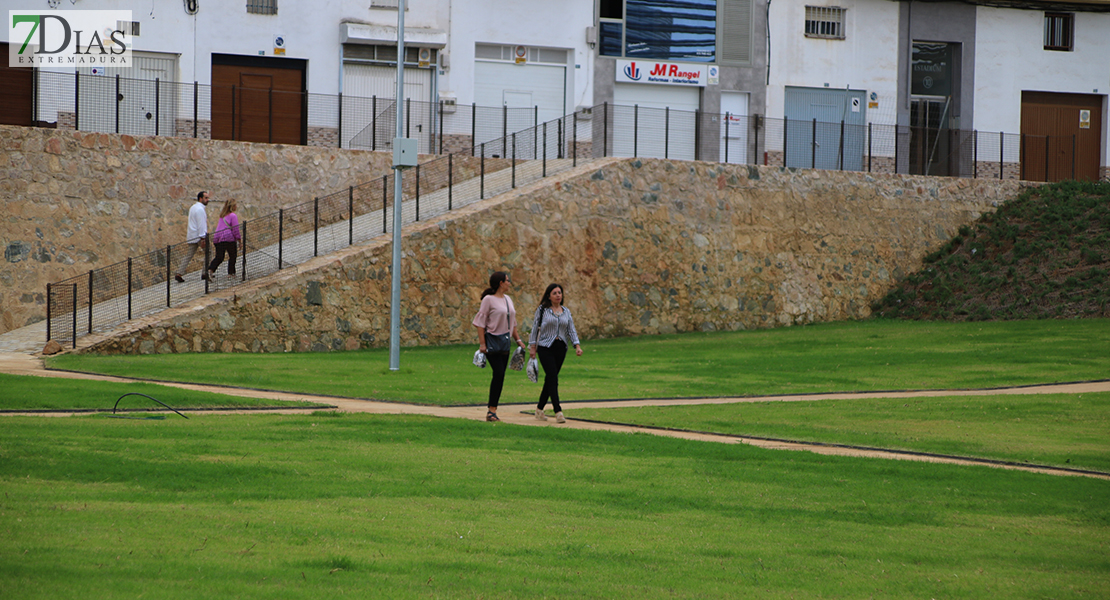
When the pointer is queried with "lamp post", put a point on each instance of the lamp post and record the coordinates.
(404, 156)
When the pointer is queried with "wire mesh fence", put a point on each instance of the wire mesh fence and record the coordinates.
(111, 103)
(505, 149)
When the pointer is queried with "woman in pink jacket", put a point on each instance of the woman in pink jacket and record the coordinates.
(226, 239)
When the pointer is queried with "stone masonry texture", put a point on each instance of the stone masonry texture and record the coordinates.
(75, 201)
(641, 246)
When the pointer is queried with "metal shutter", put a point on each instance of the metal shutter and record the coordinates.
(735, 33)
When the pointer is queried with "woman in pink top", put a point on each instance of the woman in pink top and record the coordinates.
(226, 239)
(496, 323)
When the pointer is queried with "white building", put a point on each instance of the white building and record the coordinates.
(912, 86)
(272, 70)
(953, 76)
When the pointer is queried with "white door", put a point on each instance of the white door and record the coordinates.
(369, 112)
(515, 98)
(656, 121)
(734, 127)
(134, 107)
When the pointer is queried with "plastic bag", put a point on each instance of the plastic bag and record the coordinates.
(479, 359)
(516, 363)
(533, 370)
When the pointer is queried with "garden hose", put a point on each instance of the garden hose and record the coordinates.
(115, 416)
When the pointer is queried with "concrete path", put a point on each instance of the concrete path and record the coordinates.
(19, 363)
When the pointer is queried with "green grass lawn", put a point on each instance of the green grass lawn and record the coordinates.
(851, 356)
(24, 393)
(331, 506)
(1066, 430)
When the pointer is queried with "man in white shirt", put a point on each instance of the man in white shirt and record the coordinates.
(195, 234)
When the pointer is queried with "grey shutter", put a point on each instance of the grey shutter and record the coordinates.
(736, 31)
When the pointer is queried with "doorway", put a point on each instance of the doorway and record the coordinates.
(259, 99)
(1060, 136)
(825, 128)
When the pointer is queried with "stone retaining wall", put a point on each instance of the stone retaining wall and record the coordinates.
(75, 201)
(641, 246)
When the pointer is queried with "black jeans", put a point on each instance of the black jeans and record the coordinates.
(552, 360)
(231, 249)
(498, 361)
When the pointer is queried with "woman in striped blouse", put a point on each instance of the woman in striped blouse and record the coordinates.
(552, 328)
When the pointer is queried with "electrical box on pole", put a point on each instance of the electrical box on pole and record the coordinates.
(404, 152)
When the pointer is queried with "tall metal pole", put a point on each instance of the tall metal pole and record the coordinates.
(395, 298)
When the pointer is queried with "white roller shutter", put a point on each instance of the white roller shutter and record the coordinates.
(520, 88)
(369, 117)
(655, 121)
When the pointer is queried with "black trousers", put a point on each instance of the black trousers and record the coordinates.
(231, 249)
(498, 362)
(552, 360)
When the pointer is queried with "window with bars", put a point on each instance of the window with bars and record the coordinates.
(825, 22)
(262, 7)
(1058, 31)
(130, 28)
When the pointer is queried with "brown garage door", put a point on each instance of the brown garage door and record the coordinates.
(16, 92)
(258, 99)
(1057, 143)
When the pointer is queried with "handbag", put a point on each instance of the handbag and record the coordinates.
(499, 342)
(496, 343)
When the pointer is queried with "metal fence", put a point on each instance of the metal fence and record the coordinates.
(116, 104)
(141, 285)
(636, 131)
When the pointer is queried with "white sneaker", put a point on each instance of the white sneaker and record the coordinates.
(540, 416)
(559, 418)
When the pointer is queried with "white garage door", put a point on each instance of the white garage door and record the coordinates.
(654, 121)
(369, 117)
(141, 110)
(532, 93)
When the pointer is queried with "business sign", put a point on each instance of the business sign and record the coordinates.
(663, 73)
(68, 38)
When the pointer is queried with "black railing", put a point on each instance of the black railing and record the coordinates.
(141, 285)
(105, 297)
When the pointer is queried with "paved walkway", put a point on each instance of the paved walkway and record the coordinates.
(520, 414)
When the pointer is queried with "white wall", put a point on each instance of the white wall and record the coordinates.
(867, 59)
(1010, 58)
(310, 29)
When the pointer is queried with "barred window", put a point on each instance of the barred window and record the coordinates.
(129, 28)
(262, 7)
(1058, 31)
(825, 22)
